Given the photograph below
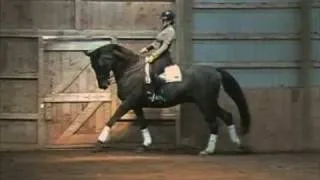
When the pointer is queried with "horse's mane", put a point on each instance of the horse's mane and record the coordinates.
(125, 50)
(120, 50)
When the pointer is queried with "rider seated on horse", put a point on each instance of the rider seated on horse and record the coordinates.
(160, 57)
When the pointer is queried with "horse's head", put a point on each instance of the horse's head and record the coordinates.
(102, 60)
(106, 59)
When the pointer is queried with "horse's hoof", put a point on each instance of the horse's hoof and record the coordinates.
(205, 153)
(142, 148)
(98, 147)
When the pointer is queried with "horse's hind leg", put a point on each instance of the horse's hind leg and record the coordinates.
(211, 145)
(209, 111)
(226, 117)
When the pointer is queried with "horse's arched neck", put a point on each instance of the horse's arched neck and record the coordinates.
(124, 66)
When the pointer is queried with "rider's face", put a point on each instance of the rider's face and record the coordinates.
(165, 22)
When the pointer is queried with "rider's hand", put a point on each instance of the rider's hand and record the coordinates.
(149, 59)
(143, 50)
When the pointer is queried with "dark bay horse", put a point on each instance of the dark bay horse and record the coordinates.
(200, 85)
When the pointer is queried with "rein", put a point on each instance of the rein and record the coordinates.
(136, 67)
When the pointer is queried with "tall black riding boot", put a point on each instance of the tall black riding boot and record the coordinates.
(150, 91)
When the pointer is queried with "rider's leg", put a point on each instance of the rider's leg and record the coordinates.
(148, 80)
(153, 81)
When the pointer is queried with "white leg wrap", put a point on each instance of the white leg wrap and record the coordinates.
(104, 135)
(147, 71)
(146, 137)
(211, 143)
(233, 134)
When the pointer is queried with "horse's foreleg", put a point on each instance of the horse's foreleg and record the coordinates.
(105, 133)
(147, 140)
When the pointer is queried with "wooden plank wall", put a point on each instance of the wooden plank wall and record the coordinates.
(18, 91)
(134, 23)
(280, 112)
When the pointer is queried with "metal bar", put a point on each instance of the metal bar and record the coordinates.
(249, 36)
(19, 116)
(255, 65)
(29, 77)
(305, 76)
(41, 123)
(128, 0)
(244, 36)
(31, 33)
(77, 38)
(75, 45)
(136, 35)
(249, 5)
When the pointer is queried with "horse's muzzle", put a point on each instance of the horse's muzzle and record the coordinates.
(104, 84)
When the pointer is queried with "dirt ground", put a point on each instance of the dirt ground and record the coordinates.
(116, 165)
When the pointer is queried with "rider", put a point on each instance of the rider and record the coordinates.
(160, 58)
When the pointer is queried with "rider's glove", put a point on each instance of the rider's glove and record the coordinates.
(150, 59)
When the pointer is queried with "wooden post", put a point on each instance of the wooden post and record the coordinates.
(306, 70)
(183, 44)
(1, 9)
(41, 124)
(77, 14)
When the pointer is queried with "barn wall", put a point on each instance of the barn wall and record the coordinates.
(259, 43)
(134, 23)
(315, 114)
(18, 91)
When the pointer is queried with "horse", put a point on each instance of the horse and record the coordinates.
(198, 84)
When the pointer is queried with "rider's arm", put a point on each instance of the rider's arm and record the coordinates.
(153, 45)
(150, 47)
(167, 37)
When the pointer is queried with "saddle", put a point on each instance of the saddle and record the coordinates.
(172, 73)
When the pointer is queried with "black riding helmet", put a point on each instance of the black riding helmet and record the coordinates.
(167, 15)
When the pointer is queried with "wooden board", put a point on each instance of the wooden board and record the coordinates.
(18, 91)
(37, 14)
(18, 132)
(18, 57)
(75, 102)
(19, 96)
(122, 15)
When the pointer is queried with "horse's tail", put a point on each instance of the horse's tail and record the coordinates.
(233, 89)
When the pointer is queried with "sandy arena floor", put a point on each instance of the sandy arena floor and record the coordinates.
(126, 165)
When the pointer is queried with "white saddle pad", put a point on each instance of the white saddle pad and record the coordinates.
(171, 73)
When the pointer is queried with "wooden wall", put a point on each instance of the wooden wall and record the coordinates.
(48, 96)
(30, 73)
(18, 87)
(275, 60)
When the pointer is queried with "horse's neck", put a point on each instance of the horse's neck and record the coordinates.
(128, 67)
